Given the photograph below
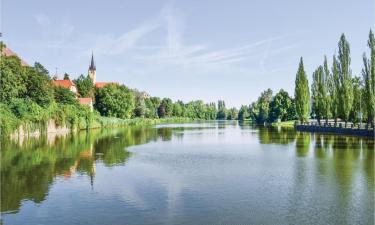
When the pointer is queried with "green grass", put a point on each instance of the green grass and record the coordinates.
(284, 124)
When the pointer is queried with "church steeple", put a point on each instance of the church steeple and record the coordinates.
(92, 64)
(92, 69)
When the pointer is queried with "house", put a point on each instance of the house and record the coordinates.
(86, 101)
(66, 84)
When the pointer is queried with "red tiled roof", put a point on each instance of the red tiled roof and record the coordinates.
(8, 52)
(85, 101)
(102, 84)
(64, 83)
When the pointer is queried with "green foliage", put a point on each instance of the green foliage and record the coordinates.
(8, 121)
(345, 77)
(259, 110)
(66, 76)
(319, 94)
(39, 87)
(140, 106)
(282, 107)
(12, 76)
(302, 93)
(222, 111)
(232, 114)
(368, 74)
(243, 113)
(114, 101)
(85, 86)
(65, 96)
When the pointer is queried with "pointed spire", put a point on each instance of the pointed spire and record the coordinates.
(92, 64)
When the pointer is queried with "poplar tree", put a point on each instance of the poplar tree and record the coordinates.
(327, 85)
(368, 73)
(302, 93)
(318, 93)
(345, 76)
(334, 89)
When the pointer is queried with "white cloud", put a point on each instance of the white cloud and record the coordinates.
(42, 20)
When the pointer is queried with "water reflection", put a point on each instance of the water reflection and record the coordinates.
(192, 157)
(28, 168)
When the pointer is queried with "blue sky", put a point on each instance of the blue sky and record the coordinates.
(187, 50)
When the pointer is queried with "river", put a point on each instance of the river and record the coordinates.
(216, 172)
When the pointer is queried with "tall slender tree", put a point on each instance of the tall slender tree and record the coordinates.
(302, 93)
(334, 89)
(345, 76)
(327, 84)
(368, 73)
(318, 93)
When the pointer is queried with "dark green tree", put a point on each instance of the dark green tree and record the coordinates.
(222, 111)
(85, 86)
(243, 113)
(12, 76)
(38, 87)
(115, 101)
(64, 96)
(368, 74)
(345, 77)
(318, 92)
(66, 76)
(334, 89)
(281, 107)
(302, 93)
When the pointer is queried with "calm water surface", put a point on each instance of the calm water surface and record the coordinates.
(198, 173)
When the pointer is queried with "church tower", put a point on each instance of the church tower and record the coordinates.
(92, 69)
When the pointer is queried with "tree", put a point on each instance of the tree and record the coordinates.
(66, 76)
(12, 76)
(232, 114)
(281, 107)
(345, 77)
(167, 105)
(326, 92)
(41, 69)
(38, 87)
(64, 96)
(222, 111)
(357, 102)
(211, 111)
(260, 110)
(334, 89)
(85, 86)
(302, 93)
(140, 105)
(368, 74)
(115, 101)
(318, 92)
(243, 113)
(178, 109)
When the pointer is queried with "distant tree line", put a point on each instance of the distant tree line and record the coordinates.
(335, 92)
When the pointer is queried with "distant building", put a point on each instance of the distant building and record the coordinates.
(66, 84)
(92, 69)
(103, 84)
(86, 101)
(92, 74)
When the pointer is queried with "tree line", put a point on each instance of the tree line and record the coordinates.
(27, 93)
(335, 92)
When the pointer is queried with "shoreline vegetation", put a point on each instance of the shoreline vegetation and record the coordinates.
(29, 100)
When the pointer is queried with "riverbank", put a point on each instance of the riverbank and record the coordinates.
(364, 132)
(52, 127)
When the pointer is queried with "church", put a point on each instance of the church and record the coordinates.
(92, 74)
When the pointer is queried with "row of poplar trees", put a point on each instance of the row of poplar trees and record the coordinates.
(335, 94)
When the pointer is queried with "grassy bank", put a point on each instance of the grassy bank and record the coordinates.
(284, 124)
(33, 118)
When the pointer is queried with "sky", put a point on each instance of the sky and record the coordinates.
(188, 50)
